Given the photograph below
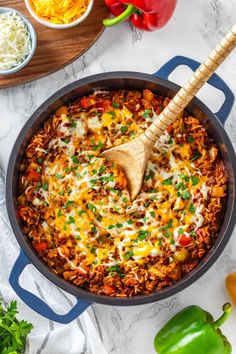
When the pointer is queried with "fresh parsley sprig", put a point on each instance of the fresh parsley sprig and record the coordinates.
(13, 333)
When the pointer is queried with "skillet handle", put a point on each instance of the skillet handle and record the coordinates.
(34, 302)
(215, 81)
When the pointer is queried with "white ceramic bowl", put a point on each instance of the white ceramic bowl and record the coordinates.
(33, 39)
(44, 22)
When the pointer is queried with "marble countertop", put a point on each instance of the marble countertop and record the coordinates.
(194, 30)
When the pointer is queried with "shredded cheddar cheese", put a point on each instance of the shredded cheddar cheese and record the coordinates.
(77, 208)
(60, 12)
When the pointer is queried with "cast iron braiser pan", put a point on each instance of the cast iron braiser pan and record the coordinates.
(127, 81)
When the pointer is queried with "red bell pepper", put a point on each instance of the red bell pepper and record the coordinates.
(147, 15)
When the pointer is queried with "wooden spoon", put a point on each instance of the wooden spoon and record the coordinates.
(133, 156)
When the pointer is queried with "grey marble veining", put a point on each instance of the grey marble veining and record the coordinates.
(194, 30)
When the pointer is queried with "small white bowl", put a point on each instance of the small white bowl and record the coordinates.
(44, 22)
(33, 39)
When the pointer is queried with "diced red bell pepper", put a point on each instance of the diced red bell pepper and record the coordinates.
(108, 289)
(33, 175)
(85, 102)
(41, 246)
(185, 241)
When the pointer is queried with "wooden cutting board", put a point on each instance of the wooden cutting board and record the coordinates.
(56, 48)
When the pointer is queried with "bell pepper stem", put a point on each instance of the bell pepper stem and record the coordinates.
(122, 17)
(227, 309)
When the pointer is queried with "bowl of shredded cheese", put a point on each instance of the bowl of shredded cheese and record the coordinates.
(59, 14)
(17, 41)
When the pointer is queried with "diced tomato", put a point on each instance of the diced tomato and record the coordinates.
(41, 246)
(33, 175)
(104, 105)
(85, 102)
(108, 289)
(185, 241)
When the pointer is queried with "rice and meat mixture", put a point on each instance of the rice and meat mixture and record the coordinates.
(76, 210)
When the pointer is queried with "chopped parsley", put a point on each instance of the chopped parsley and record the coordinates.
(195, 156)
(102, 169)
(128, 254)
(69, 203)
(168, 233)
(111, 227)
(45, 203)
(195, 180)
(152, 213)
(168, 181)
(168, 226)
(180, 185)
(59, 213)
(170, 141)
(193, 233)
(74, 159)
(58, 176)
(73, 124)
(143, 234)
(98, 146)
(147, 177)
(146, 113)
(38, 186)
(91, 207)
(66, 140)
(81, 212)
(186, 195)
(71, 220)
(192, 208)
(94, 229)
(93, 250)
(115, 269)
(118, 225)
(123, 129)
(78, 237)
(115, 208)
(181, 231)
(45, 186)
(129, 222)
(184, 177)
(112, 113)
(115, 104)
(40, 160)
(190, 139)
(132, 133)
(125, 200)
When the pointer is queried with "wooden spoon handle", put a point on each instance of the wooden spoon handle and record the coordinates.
(189, 90)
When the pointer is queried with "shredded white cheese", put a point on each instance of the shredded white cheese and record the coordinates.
(15, 41)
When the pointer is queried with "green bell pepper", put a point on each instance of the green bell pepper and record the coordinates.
(193, 331)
